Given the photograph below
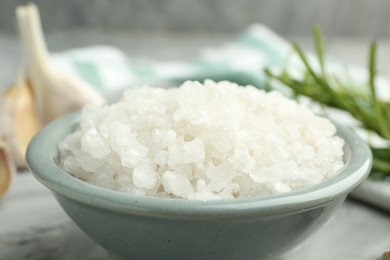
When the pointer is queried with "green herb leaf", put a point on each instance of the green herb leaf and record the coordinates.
(328, 90)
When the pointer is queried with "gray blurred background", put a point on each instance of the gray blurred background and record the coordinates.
(179, 29)
(337, 17)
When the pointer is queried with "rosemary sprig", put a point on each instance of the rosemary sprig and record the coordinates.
(328, 90)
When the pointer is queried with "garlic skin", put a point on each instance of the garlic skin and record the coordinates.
(41, 95)
(7, 169)
(19, 115)
(55, 93)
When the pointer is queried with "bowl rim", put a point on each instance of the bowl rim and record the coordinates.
(42, 151)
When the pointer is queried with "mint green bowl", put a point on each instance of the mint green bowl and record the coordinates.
(135, 227)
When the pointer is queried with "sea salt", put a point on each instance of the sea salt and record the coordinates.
(208, 141)
(176, 184)
(144, 176)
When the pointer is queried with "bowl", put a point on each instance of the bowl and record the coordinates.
(136, 227)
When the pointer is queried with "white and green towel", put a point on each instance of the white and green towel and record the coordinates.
(242, 60)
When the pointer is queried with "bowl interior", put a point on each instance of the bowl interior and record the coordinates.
(42, 160)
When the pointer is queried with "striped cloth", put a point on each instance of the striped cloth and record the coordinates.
(241, 60)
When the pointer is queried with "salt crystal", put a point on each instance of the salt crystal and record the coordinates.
(202, 141)
(71, 165)
(71, 142)
(193, 151)
(220, 142)
(144, 176)
(184, 170)
(103, 177)
(163, 137)
(178, 115)
(168, 137)
(176, 184)
(200, 117)
(200, 185)
(220, 177)
(124, 182)
(156, 135)
(334, 168)
(279, 187)
(275, 173)
(205, 195)
(133, 154)
(120, 135)
(324, 126)
(87, 162)
(243, 161)
(309, 175)
(290, 132)
(161, 158)
(174, 153)
(93, 143)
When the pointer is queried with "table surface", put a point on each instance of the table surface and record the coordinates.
(33, 226)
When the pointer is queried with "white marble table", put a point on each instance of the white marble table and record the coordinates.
(34, 227)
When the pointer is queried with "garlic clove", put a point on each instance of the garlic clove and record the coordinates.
(20, 118)
(385, 256)
(7, 169)
(55, 93)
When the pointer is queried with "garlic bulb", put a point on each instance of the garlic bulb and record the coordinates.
(55, 93)
(6, 169)
(41, 96)
(19, 115)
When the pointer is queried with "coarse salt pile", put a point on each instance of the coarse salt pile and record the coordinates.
(202, 141)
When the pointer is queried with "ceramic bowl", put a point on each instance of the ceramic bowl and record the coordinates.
(135, 227)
